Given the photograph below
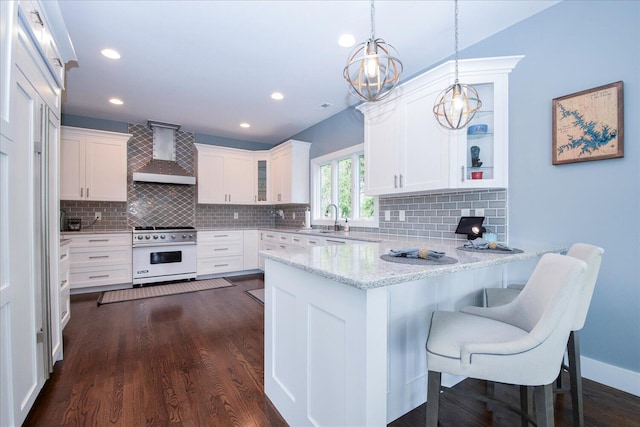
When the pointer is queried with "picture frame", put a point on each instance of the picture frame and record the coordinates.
(588, 125)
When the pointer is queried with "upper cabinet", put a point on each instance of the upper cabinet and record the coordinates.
(406, 150)
(290, 172)
(242, 177)
(93, 165)
(225, 175)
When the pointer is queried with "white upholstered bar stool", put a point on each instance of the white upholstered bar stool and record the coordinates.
(530, 332)
(592, 256)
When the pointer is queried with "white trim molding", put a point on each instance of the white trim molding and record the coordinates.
(610, 375)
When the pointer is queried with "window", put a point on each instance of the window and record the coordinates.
(338, 178)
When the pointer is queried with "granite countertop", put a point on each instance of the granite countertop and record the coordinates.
(359, 264)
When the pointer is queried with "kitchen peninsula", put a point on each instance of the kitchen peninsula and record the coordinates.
(345, 330)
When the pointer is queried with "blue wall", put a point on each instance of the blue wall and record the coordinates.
(570, 47)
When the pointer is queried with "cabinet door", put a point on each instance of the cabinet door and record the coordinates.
(239, 179)
(261, 168)
(251, 244)
(72, 168)
(278, 164)
(426, 145)
(210, 177)
(106, 170)
(381, 141)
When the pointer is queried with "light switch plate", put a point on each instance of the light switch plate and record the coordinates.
(387, 215)
(235, 215)
(401, 216)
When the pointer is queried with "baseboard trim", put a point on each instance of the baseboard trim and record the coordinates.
(610, 375)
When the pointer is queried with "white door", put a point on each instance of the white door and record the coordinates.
(426, 146)
(21, 355)
(106, 169)
(381, 146)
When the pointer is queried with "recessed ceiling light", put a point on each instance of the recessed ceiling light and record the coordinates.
(277, 96)
(245, 125)
(110, 53)
(116, 101)
(346, 40)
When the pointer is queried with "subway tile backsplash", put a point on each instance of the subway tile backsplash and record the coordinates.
(436, 215)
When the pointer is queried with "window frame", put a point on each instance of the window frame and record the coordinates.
(317, 216)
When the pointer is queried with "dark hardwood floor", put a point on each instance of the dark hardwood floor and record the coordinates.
(196, 360)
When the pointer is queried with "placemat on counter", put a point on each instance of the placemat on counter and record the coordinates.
(418, 261)
(491, 251)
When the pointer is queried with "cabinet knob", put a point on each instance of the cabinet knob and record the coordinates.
(35, 17)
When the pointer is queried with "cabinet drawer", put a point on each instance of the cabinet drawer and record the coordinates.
(99, 256)
(219, 249)
(270, 237)
(298, 240)
(315, 241)
(220, 236)
(220, 265)
(90, 277)
(96, 240)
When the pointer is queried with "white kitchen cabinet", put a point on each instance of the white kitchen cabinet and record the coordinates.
(64, 285)
(290, 172)
(99, 260)
(407, 151)
(220, 252)
(251, 239)
(31, 84)
(93, 165)
(262, 167)
(225, 175)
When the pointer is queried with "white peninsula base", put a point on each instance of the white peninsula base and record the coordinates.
(338, 355)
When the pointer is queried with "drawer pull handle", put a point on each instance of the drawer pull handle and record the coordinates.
(64, 282)
(335, 241)
(98, 240)
(98, 256)
(63, 256)
(221, 235)
(102, 276)
(58, 62)
(221, 265)
(221, 249)
(283, 247)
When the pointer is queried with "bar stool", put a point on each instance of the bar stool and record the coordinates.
(530, 331)
(592, 256)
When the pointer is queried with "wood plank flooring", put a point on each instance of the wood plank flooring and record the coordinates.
(196, 360)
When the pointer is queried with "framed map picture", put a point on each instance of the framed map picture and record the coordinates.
(588, 125)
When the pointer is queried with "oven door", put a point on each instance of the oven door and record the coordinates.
(164, 263)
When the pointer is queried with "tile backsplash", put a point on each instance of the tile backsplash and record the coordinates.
(161, 205)
(437, 214)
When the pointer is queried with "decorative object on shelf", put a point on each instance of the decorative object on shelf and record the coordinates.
(475, 156)
(477, 129)
(588, 125)
(456, 105)
(373, 69)
(476, 175)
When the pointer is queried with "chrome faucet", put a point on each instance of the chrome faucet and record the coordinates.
(335, 224)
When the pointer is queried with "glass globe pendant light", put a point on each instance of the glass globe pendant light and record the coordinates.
(373, 69)
(456, 105)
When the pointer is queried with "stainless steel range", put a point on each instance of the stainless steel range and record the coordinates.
(162, 254)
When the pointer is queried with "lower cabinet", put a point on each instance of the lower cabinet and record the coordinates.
(64, 285)
(251, 240)
(220, 252)
(99, 259)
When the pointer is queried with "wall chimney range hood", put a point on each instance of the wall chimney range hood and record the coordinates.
(163, 167)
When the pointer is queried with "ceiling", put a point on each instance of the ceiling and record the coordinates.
(210, 65)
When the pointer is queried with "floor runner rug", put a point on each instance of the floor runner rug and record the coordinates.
(161, 290)
(257, 294)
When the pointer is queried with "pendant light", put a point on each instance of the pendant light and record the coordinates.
(456, 105)
(373, 69)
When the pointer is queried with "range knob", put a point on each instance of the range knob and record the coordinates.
(190, 236)
(173, 236)
(162, 236)
(147, 237)
(184, 236)
(140, 237)
(155, 236)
